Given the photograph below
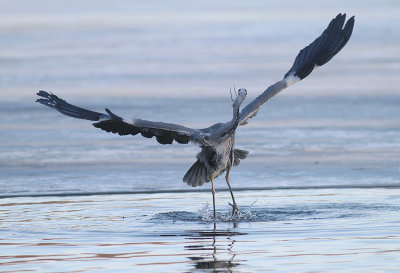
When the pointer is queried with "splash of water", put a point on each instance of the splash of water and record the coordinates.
(206, 215)
(269, 214)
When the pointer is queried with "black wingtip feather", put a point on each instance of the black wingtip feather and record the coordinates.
(324, 48)
(112, 115)
(67, 109)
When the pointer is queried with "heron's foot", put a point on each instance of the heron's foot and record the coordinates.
(235, 209)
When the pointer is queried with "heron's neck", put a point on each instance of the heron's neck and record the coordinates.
(236, 113)
(233, 124)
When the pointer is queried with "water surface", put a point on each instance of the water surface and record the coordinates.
(281, 230)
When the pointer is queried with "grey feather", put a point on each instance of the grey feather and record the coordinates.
(238, 155)
(196, 175)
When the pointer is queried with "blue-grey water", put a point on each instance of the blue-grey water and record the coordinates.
(319, 191)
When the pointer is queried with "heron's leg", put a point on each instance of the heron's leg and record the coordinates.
(235, 208)
(213, 194)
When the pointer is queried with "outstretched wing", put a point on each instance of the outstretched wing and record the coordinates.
(319, 52)
(165, 133)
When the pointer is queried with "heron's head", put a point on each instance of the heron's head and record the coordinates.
(241, 95)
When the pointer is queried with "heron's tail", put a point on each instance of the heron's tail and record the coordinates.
(67, 109)
(197, 175)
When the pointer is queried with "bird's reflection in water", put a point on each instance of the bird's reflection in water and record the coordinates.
(215, 250)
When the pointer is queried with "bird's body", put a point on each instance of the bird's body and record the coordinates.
(216, 159)
(217, 150)
(217, 142)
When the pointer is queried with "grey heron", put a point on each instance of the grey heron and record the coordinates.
(217, 142)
